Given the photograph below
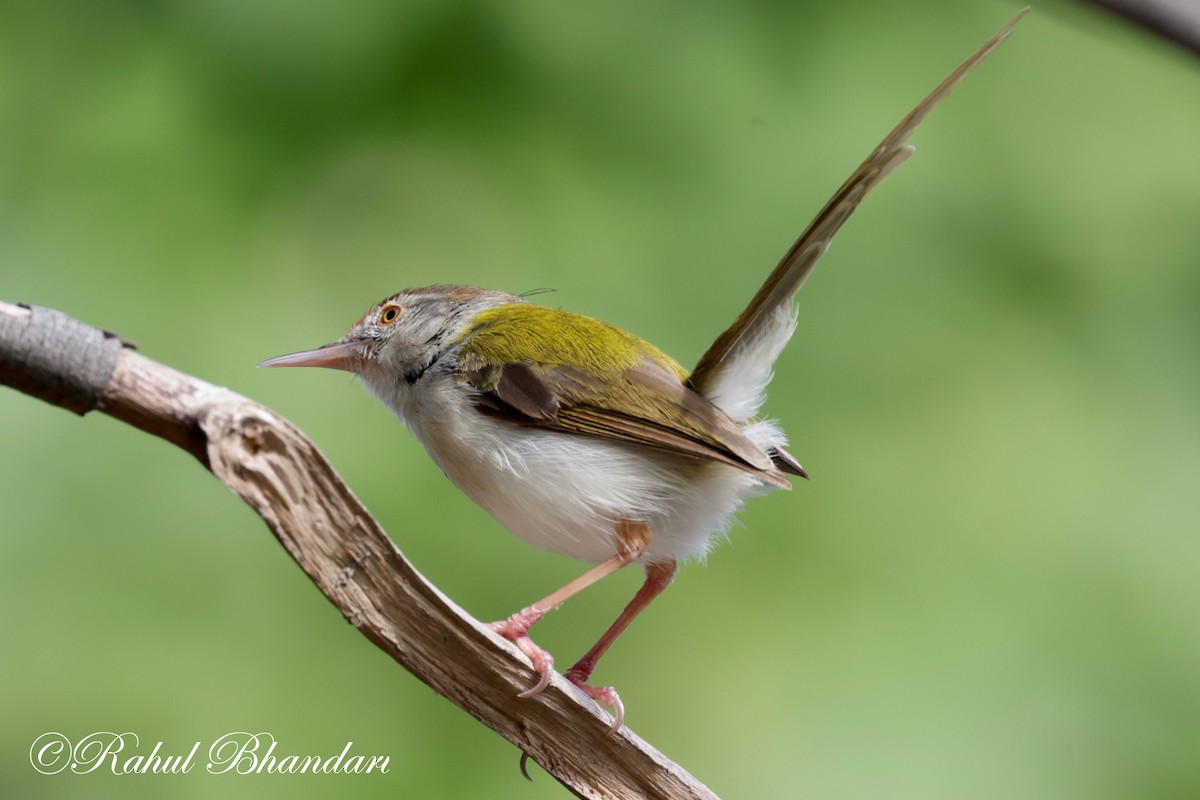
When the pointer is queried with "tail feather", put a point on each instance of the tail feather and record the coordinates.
(736, 369)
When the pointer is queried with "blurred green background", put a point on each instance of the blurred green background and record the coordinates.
(990, 588)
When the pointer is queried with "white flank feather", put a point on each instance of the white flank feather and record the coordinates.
(741, 385)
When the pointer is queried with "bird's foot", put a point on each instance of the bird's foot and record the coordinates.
(516, 630)
(604, 695)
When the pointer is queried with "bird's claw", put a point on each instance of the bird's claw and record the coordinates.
(543, 681)
(516, 630)
(604, 695)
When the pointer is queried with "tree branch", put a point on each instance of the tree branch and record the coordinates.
(1176, 21)
(267, 462)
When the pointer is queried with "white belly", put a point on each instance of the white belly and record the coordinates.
(565, 493)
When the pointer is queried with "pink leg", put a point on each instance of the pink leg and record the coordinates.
(632, 538)
(658, 577)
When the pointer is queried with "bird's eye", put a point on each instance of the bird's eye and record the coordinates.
(389, 314)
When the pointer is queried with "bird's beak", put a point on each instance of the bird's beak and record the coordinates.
(348, 356)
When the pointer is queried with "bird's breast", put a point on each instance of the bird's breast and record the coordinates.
(565, 493)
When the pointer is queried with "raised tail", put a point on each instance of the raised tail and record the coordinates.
(736, 369)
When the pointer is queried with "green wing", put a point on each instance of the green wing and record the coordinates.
(573, 374)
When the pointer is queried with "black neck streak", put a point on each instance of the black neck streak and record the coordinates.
(414, 375)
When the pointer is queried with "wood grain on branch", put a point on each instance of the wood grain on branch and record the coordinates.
(267, 462)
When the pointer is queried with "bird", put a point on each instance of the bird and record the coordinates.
(586, 440)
